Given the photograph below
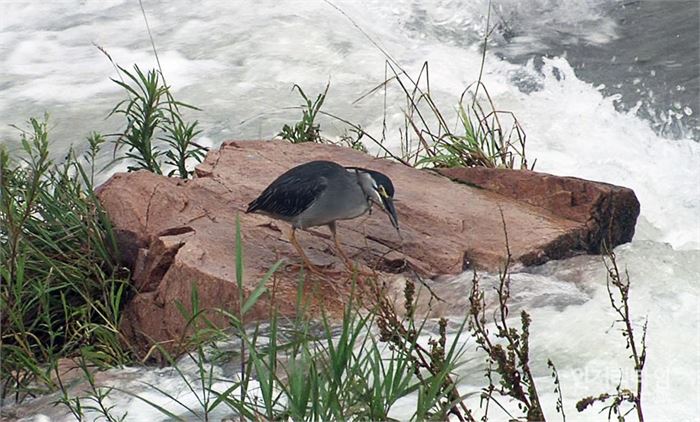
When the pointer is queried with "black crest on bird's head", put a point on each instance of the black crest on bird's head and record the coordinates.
(383, 192)
(380, 179)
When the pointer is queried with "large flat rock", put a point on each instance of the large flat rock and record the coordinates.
(178, 234)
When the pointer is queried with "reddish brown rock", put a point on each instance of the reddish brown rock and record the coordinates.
(608, 212)
(179, 234)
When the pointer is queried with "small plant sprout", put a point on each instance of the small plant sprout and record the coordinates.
(153, 117)
(306, 129)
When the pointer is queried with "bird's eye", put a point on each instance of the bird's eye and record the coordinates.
(382, 191)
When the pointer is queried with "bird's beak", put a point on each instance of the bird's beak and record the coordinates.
(388, 204)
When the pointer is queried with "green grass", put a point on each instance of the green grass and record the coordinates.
(307, 129)
(62, 289)
(483, 135)
(156, 135)
(303, 371)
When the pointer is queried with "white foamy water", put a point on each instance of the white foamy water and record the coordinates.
(238, 62)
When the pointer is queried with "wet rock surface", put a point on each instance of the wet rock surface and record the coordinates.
(176, 235)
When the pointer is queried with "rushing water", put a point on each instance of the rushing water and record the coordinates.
(606, 90)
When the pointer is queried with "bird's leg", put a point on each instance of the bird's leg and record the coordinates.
(299, 249)
(348, 261)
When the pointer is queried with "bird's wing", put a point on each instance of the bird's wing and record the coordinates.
(289, 197)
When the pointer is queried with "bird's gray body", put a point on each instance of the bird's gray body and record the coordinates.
(318, 193)
(329, 206)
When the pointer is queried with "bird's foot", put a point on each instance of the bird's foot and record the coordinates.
(357, 269)
(353, 267)
(308, 266)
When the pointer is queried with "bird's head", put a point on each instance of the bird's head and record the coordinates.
(379, 189)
